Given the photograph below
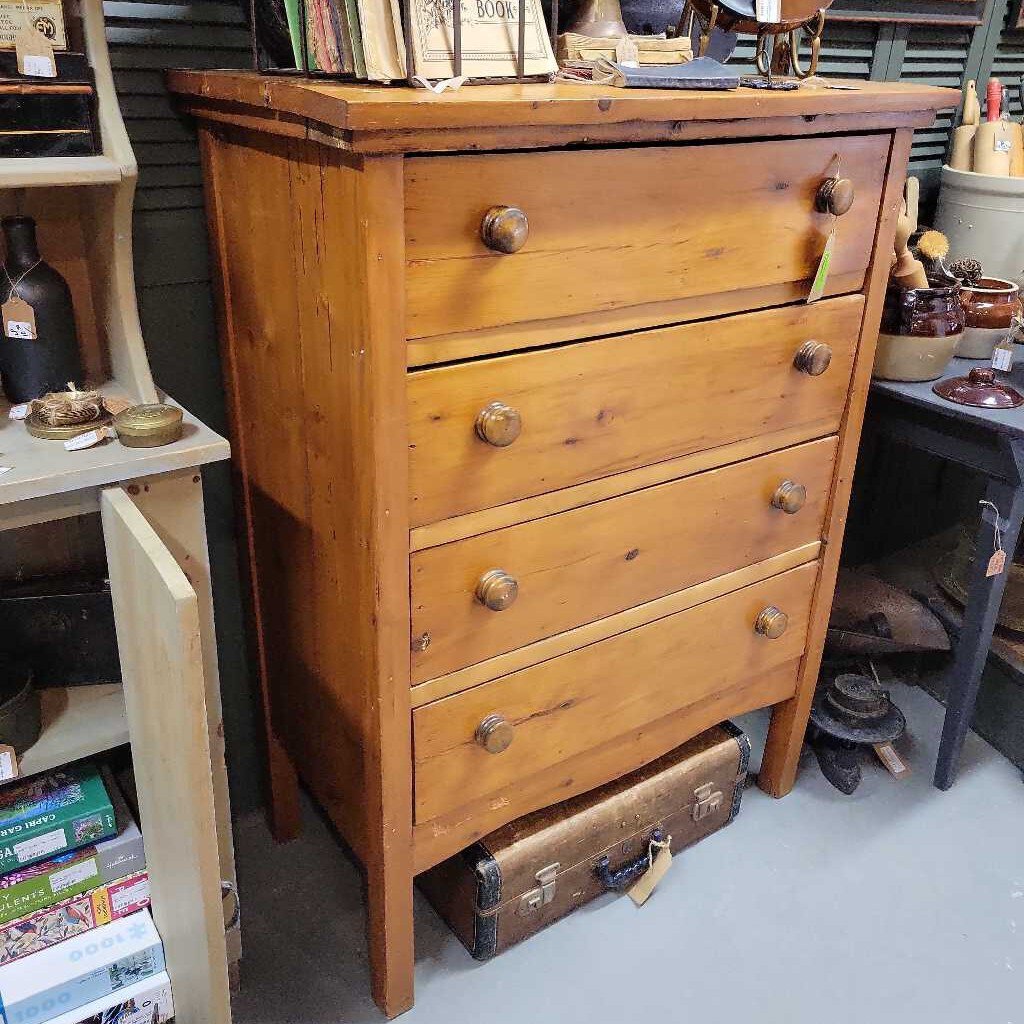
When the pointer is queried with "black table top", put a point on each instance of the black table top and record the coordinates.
(1003, 421)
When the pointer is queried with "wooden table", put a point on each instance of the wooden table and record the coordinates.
(992, 443)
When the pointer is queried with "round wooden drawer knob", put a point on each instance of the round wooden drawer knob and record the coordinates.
(771, 623)
(835, 196)
(813, 358)
(498, 424)
(790, 496)
(494, 734)
(504, 229)
(497, 590)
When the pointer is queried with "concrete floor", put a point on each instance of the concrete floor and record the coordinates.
(898, 905)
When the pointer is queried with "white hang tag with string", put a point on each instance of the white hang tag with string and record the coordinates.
(658, 864)
(88, 439)
(19, 319)
(997, 563)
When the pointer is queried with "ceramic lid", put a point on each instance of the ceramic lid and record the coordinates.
(979, 388)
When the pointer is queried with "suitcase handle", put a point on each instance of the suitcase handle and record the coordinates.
(628, 873)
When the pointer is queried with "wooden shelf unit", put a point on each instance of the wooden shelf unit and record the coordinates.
(78, 721)
(150, 505)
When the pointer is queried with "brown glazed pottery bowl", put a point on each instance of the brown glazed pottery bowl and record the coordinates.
(921, 328)
(989, 309)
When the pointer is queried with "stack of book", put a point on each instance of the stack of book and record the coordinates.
(365, 38)
(76, 937)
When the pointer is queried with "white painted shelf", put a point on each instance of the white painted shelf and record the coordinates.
(37, 172)
(78, 721)
(41, 468)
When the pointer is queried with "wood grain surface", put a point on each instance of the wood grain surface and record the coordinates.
(566, 706)
(312, 331)
(629, 227)
(603, 558)
(601, 407)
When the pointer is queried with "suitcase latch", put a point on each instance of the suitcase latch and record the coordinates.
(706, 800)
(542, 896)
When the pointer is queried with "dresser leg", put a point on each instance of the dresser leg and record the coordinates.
(785, 741)
(390, 923)
(283, 814)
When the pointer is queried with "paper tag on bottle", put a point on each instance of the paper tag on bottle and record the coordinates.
(19, 412)
(88, 439)
(768, 12)
(35, 54)
(997, 563)
(821, 274)
(8, 763)
(1002, 355)
(19, 319)
(662, 861)
(1002, 145)
(896, 766)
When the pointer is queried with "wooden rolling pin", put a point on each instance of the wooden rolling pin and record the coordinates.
(961, 154)
(909, 271)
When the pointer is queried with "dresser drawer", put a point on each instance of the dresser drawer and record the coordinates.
(612, 230)
(603, 558)
(575, 703)
(595, 408)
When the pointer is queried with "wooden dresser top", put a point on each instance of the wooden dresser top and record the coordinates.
(399, 119)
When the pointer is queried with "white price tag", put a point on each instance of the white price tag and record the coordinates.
(8, 763)
(19, 412)
(20, 329)
(768, 12)
(1002, 358)
(38, 66)
(88, 439)
(1002, 145)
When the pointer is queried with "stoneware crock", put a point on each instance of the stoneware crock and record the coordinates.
(921, 328)
(989, 309)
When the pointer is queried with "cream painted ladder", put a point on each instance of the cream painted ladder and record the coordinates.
(168, 706)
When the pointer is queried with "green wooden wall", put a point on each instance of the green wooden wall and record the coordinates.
(172, 266)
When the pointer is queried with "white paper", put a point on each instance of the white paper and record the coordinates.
(137, 892)
(39, 67)
(61, 880)
(39, 846)
(19, 412)
(8, 766)
(20, 329)
(88, 439)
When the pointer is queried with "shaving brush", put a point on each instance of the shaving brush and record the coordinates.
(932, 249)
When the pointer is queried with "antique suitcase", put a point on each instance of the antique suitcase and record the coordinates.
(537, 869)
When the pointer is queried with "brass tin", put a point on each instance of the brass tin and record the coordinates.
(148, 426)
(64, 432)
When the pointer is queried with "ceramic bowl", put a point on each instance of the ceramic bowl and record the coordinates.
(989, 309)
(921, 328)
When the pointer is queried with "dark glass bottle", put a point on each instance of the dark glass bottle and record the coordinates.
(30, 368)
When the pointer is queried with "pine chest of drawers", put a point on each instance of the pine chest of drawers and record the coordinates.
(544, 459)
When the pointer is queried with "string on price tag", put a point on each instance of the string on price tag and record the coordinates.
(659, 860)
(997, 563)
